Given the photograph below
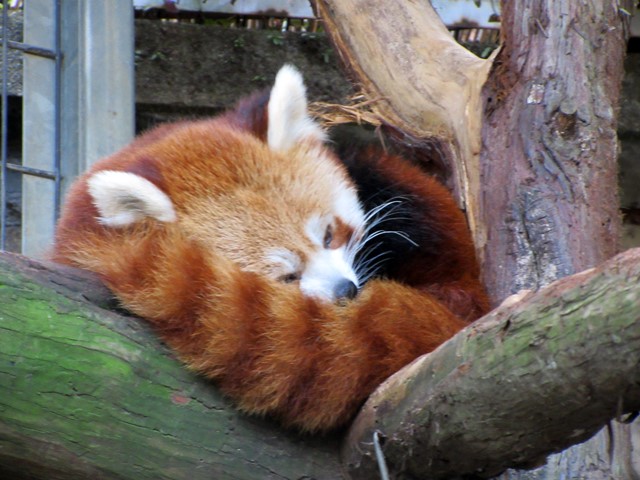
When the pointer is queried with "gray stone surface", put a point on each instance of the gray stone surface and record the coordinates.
(15, 56)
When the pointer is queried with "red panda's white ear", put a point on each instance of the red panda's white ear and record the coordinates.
(289, 121)
(123, 198)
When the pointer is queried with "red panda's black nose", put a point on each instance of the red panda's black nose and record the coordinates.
(345, 289)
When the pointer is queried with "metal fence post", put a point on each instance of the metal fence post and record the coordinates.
(39, 125)
(98, 102)
(75, 109)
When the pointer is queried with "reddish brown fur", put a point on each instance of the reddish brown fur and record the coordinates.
(274, 351)
(451, 274)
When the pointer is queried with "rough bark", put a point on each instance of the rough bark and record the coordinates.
(556, 84)
(525, 381)
(87, 393)
(550, 208)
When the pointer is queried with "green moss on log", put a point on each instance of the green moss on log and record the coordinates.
(521, 383)
(86, 393)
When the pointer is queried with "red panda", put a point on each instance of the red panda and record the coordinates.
(252, 249)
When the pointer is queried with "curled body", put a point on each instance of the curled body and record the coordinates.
(252, 249)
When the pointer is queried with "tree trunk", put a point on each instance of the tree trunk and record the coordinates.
(87, 393)
(540, 193)
(556, 83)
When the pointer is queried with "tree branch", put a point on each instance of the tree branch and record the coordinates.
(525, 381)
(87, 393)
(428, 85)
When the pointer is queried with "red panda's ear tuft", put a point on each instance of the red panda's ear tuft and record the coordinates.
(289, 120)
(124, 198)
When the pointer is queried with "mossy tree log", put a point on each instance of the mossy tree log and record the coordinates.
(531, 378)
(89, 392)
(86, 392)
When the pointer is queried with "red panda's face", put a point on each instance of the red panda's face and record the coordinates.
(284, 208)
(293, 216)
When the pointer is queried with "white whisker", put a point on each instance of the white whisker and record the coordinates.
(360, 249)
(372, 213)
(367, 263)
(373, 270)
(400, 234)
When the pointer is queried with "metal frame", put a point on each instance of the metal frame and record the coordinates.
(78, 104)
(55, 55)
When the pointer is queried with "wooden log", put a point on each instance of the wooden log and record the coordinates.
(88, 393)
(525, 381)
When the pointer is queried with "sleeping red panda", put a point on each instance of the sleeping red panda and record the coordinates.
(296, 281)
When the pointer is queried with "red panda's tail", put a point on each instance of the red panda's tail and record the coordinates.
(275, 352)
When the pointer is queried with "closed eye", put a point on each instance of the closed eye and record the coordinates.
(328, 237)
(289, 277)
(285, 266)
